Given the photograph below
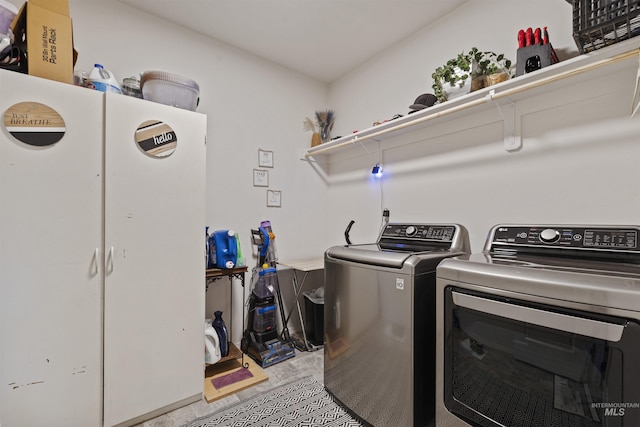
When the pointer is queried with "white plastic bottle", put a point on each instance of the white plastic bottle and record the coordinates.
(103, 80)
(211, 344)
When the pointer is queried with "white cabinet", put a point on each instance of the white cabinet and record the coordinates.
(101, 293)
(50, 280)
(154, 289)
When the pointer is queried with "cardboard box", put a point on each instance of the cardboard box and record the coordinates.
(49, 39)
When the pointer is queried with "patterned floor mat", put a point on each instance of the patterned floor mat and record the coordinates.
(302, 403)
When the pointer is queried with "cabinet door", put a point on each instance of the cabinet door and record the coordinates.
(50, 273)
(154, 234)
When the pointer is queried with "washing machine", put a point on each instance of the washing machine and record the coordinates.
(541, 329)
(379, 321)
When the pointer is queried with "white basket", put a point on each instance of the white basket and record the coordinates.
(170, 89)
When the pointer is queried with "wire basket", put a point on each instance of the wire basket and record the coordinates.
(600, 23)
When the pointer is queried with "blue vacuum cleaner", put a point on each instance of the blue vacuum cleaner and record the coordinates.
(261, 340)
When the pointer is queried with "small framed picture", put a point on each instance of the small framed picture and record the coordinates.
(274, 198)
(260, 178)
(265, 158)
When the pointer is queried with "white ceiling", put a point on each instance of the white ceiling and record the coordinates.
(323, 39)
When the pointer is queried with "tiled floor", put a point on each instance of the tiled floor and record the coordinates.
(303, 364)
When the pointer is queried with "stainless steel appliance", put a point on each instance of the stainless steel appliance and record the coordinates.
(541, 329)
(380, 322)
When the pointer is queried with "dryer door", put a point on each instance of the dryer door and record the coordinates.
(510, 362)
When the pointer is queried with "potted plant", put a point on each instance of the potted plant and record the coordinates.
(494, 68)
(468, 72)
(454, 77)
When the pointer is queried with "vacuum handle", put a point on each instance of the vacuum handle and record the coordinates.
(265, 242)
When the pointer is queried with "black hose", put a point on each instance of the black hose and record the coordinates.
(346, 232)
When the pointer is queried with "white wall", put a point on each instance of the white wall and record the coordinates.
(250, 103)
(578, 163)
(390, 82)
(445, 176)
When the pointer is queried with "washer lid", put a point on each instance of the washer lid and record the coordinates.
(390, 256)
(371, 254)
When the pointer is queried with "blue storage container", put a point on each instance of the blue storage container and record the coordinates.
(223, 249)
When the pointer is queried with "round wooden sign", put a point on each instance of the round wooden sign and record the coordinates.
(156, 138)
(34, 123)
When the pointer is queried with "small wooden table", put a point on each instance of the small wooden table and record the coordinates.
(213, 274)
(235, 360)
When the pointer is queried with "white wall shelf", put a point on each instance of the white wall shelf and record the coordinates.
(503, 95)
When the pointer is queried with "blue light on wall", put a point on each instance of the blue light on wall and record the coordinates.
(377, 171)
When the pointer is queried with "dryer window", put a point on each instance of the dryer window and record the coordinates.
(505, 371)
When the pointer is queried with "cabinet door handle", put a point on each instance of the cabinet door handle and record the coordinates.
(95, 262)
(109, 264)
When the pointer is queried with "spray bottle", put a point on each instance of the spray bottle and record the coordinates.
(211, 343)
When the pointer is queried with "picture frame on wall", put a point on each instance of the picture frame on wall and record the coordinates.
(265, 158)
(274, 198)
(260, 178)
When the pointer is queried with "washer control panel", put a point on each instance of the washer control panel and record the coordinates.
(441, 233)
(572, 237)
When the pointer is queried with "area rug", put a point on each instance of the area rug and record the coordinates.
(303, 402)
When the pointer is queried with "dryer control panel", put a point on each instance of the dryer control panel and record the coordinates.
(600, 238)
(431, 232)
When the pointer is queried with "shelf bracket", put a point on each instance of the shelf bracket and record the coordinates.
(355, 139)
(512, 140)
(309, 159)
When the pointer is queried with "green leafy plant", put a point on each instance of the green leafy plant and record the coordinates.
(492, 63)
(471, 66)
(454, 72)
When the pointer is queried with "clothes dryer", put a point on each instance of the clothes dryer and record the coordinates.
(541, 329)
